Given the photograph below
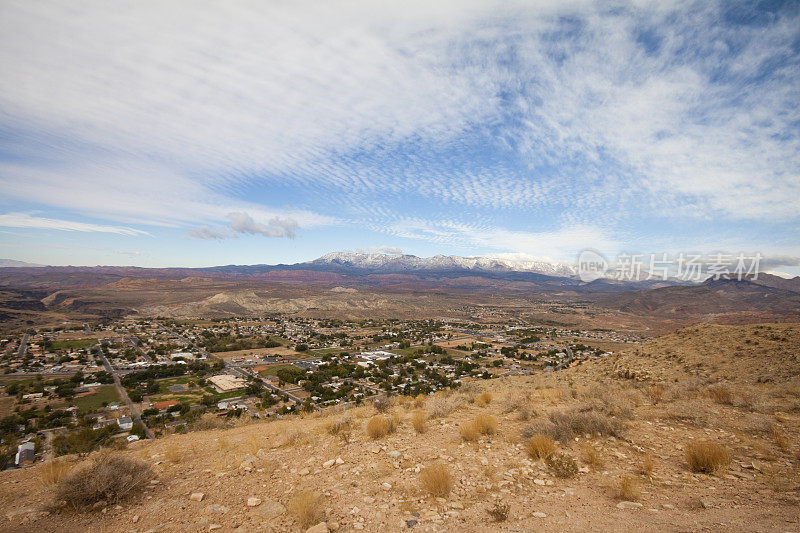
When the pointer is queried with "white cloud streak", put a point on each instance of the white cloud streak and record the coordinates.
(24, 220)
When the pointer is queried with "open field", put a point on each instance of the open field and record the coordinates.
(283, 351)
(92, 402)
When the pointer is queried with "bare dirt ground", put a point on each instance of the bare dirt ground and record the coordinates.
(738, 387)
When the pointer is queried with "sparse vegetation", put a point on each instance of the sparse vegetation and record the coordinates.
(109, 478)
(707, 457)
(53, 471)
(499, 513)
(564, 426)
(656, 394)
(629, 489)
(436, 480)
(469, 431)
(720, 394)
(486, 424)
(419, 419)
(306, 507)
(341, 427)
(540, 447)
(483, 399)
(382, 404)
(592, 457)
(379, 426)
(562, 465)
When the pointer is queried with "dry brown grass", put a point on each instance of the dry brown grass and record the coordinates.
(592, 457)
(436, 480)
(647, 466)
(379, 426)
(419, 401)
(109, 478)
(53, 471)
(720, 394)
(341, 427)
(483, 399)
(419, 419)
(469, 431)
(306, 507)
(629, 489)
(174, 454)
(540, 447)
(486, 424)
(781, 441)
(656, 394)
(707, 457)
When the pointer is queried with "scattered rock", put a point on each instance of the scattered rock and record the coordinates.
(322, 527)
(411, 523)
(217, 508)
(253, 502)
(629, 505)
(197, 496)
(328, 464)
(539, 514)
(213, 527)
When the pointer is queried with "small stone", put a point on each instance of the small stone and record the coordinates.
(339, 461)
(538, 481)
(705, 504)
(456, 505)
(667, 506)
(386, 486)
(197, 496)
(304, 472)
(217, 508)
(358, 525)
(135, 518)
(539, 514)
(213, 527)
(253, 502)
(629, 505)
(154, 482)
(394, 455)
(322, 527)
(328, 464)
(411, 523)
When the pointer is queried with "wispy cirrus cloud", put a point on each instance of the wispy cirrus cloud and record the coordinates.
(25, 220)
(519, 118)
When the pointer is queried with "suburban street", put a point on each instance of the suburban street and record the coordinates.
(135, 415)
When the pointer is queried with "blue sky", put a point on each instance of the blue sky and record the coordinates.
(205, 133)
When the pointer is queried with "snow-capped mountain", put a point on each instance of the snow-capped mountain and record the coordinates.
(403, 262)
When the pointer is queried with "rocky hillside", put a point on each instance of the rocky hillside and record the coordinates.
(589, 448)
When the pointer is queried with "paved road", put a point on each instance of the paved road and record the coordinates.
(243, 373)
(23, 345)
(135, 415)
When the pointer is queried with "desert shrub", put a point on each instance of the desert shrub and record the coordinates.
(707, 457)
(564, 426)
(109, 479)
(306, 507)
(469, 431)
(419, 419)
(483, 399)
(379, 426)
(340, 427)
(629, 489)
(443, 404)
(499, 513)
(173, 454)
(647, 465)
(436, 480)
(520, 405)
(382, 404)
(720, 394)
(53, 471)
(656, 394)
(486, 424)
(562, 465)
(419, 401)
(611, 402)
(540, 447)
(592, 457)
